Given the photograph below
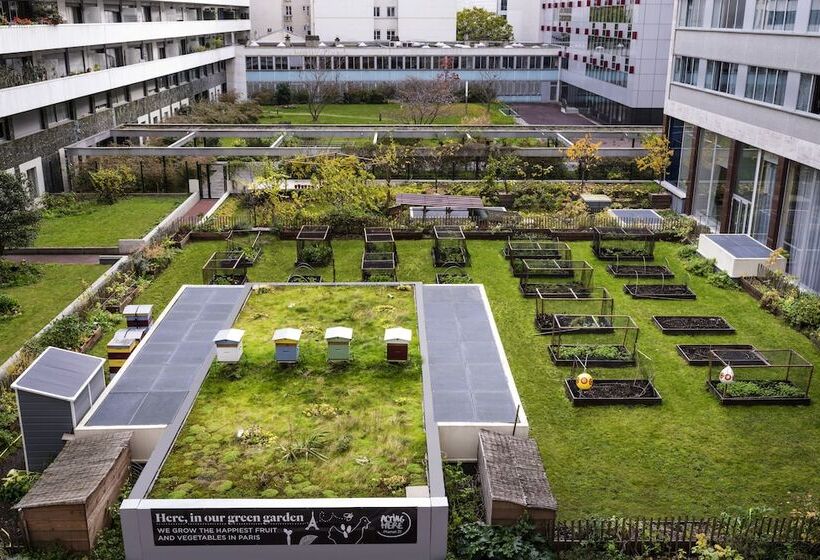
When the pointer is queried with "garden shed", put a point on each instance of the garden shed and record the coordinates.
(228, 344)
(53, 395)
(397, 340)
(513, 481)
(139, 316)
(287, 345)
(338, 343)
(69, 503)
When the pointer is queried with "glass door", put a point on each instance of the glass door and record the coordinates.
(741, 211)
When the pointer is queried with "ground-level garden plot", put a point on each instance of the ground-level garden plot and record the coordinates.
(671, 448)
(639, 271)
(103, 225)
(311, 430)
(386, 113)
(701, 354)
(41, 301)
(659, 291)
(693, 325)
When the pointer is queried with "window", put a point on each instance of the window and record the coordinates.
(33, 185)
(368, 63)
(391, 11)
(120, 95)
(728, 14)
(411, 63)
(721, 76)
(288, 10)
(775, 14)
(56, 113)
(396, 63)
(377, 35)
(616, 77)
(100, 101)
(112, 14)
(814, 16)
(686, 70)
(392, 35)
(280, 62)
(377, 11)
(800, 228)
(5, 131)
(766, 84)
(690, 13)
(808, 95)
(266, 63)
(503, 5)
(252, 63)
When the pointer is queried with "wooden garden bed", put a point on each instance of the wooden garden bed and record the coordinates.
(692, 325)
(613, 392)
(659, 291)
(91, 341)
(627, 360)
(714, 386)
(453, 278)
(701, 354)
(117, 305)
(639, 271)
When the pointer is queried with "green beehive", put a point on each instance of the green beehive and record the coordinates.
(338, 343)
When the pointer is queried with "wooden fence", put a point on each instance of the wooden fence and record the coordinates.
(673, 534)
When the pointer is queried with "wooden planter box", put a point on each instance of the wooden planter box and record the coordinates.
(722, 328)
(179, 241)
(650, 397)
(119, 306)
(590, 361)
(208, 235)
(712, 386)
(91, 341)
(750, 288)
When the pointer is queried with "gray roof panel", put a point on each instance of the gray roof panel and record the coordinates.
(741, 246)
(59, 373)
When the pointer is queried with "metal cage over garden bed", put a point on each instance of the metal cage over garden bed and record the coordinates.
(701, 354)
(380, 240)
(552, 276)
(605, 341)
(595, 302)
(599, 387)
(537, 249)
(623, 244)
(226, 267)
(450, 246)
(779, 377)
(313, 245)
(379, 267)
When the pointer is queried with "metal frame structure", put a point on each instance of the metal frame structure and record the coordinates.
(587, 332)
(450, 240)
(597, 301)
(378, 264)
(228, 266)
(773, 366)
(623, 244)
(312, 236)
(551, 276)
(640, 384)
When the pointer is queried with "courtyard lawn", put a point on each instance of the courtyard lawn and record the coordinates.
(103, 225)
(363, 420)
(388, 113)
(41, 301)
(689, 456)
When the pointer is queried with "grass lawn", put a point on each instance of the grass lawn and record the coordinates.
(40, 302)
(367, 414)
(103, 225)
(388, 113)
(689, 456)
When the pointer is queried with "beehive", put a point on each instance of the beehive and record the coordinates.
(338, 343)
(122, 345)
(229, 345)
(397, 340)
(138, 315)
(287, 345)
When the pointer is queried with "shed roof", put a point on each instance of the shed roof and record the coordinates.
(58, 373)
(77, 471)
(443, 200)
(144, 310)
(287, 334)
(131, 333)
(345, 333)
(229, 335)
(514, 471)
(399, 334)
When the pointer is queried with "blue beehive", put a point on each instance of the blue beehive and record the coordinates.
(287, 345)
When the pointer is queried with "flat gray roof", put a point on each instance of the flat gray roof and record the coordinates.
(58, 373)
(741, 246)
(173, 360)
(467, 374)
(645, 216)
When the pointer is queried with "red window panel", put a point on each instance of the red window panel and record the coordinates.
(631, 69)
(634, 35)
(586, 31)
(575, 57)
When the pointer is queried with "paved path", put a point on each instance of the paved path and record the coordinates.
(55, 259)
(201, 207)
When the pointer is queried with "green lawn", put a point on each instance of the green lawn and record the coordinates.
(104, 225)
(40, 302)
(388, 113)
(367, 414)
(689, 456)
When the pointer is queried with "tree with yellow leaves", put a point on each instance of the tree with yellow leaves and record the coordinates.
(658, 155)
(584, 152)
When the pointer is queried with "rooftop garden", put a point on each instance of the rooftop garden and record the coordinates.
(312, 430)
(382, 113)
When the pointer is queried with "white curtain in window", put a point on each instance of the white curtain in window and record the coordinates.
(802, 226)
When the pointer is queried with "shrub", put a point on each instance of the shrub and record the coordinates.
(317, 255)
(771, 301)
(8, 306)
(66, 204)
(14, 274)
(687, 252)
(16, 484)
(477, 541)
(700, 266)
(762, 389)
(802, 312)
(67, 332)
(721, 280)
(111, 183)
(9, 426)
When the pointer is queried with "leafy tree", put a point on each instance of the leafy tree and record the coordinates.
(584, 152)
(391, 158)
(503, 166)
(111, 183)
(658, 155)
(18, 214)
(283, 95)
(441, 154)
(477, 24)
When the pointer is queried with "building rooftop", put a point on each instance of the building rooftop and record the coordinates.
(58, 373)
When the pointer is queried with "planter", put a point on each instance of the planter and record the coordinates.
(714, 387)
(701, 354)
(607, 254)
(596, 362)
(659, 291)
(208, 235)
(304, 279)
(180, 240)
(692, 325)
(637, 271)
(118, 306)
(750, 288)
(91, 341)
(614, 391)
(529, 289)
(450, 278)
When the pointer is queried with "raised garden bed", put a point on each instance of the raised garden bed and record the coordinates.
(610, 355)
(304, 278)
(91, 341)
(598, 302)
(659, 291)
(180, 239)
(749, 392)
(639, 271)
(701, 354)
(530, 289)
(453, 277)
(116, 303)
(586, 323)
(692, 325)
(614, 391)
(623, 244)
(449, 247)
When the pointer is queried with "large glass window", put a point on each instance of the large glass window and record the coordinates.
(686, 70)
(690, 13)
(800, 228)
(808, 95)
(814, 16)
(775, 14)
(710, 182)
(721, 76)
(728, 14)
(686, 147)
(766, 84)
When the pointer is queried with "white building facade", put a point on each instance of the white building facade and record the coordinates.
(743, 115)
(71, 69)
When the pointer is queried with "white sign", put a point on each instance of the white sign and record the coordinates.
(727, 375)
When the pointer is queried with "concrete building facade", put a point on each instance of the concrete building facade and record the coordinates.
(743, 115)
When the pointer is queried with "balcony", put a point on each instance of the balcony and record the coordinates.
(30, 38)
(14, 100)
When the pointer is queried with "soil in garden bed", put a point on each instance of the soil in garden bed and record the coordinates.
(584, 323)
(769, 393)
(738, 354)
(621, 357)
(692, 325)
(659, 291)
(639, 271)
(529, 289)
(614, 391)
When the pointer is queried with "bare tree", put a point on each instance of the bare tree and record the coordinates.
(423, 100)
(321, 83)
(490, 87)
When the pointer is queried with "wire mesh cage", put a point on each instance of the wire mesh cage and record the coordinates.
(248, 241)
(453, 275)
(378, 267)
(313, 245)
(304, 274)
(623, 244)
(450, 246)
(380, 240)
(773, 377)
(536, 248)
(600, 340)
(549, 276)
(601, 386)
(597, 301)
(226, 267)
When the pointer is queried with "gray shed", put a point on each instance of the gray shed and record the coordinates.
(513, 481)
(53, 395)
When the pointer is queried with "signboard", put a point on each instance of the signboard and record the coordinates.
(267, 527)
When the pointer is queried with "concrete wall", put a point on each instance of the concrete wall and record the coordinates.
(427, 20)
(525, 18)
